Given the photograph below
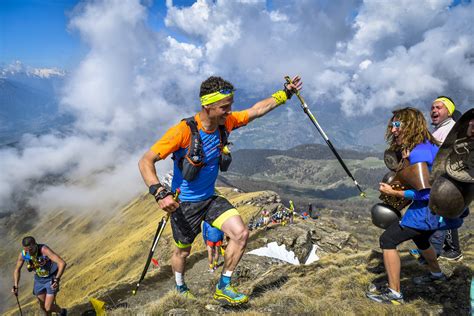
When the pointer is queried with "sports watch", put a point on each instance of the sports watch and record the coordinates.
(162, 194)
(159, 195)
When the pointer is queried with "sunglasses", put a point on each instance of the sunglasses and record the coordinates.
(396, 124)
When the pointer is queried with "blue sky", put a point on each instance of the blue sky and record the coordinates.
(36, 33)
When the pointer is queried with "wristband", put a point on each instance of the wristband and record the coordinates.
(154, 188)
(280, 97)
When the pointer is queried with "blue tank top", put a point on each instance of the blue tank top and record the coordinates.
(202, 187)
(41, 265)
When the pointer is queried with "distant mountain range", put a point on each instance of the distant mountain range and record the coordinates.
(288, 126)
(29, 101)
(309, 173)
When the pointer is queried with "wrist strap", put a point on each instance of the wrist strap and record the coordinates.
(287, 91)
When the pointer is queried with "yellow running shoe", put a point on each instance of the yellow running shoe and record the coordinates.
(184, 291)
(230, 295)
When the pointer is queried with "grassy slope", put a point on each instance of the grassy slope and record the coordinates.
(334, 286)
(104, 250)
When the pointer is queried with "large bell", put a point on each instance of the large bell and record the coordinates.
(449, 198)
(452, 176)
(384, 215)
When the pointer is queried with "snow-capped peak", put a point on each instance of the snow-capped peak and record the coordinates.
(18, 68)
(48, 72)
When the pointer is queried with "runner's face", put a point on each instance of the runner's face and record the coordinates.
(221, 109)
(438, 113)
(30, 249)
(397, 131)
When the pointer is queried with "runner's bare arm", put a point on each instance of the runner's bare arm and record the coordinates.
(17, 272)
(55, 258)
(261, 108)
(148, 172)
(147, 167)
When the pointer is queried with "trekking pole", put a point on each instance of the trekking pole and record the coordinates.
(305, 108)
(159, 231)
(18, 302)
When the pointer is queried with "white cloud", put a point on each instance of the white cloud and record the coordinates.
(135, 82)
(277, 16)
(387, 23)
(183, 55)
(429, 67)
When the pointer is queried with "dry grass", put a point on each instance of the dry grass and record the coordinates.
(106, 251)
(334, 286)
(103, 251)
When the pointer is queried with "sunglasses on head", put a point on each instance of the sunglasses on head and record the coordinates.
(226, 91)
(396, 124)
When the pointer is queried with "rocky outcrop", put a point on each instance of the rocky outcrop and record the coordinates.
(298, 238)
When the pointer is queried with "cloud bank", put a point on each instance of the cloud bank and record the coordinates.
(135, 81)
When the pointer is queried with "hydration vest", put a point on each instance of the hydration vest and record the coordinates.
(193, 161)
(38, 263)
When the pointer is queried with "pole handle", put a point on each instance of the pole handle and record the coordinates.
(289, 81)
(176, 194)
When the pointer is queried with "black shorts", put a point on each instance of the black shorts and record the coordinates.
(395, 234)
(186, 220)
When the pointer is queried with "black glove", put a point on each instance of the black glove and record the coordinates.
(15, 290)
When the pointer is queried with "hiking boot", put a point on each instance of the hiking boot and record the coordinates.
(230, 295)
(451, 255)
(63, 312)
(386, 297)
(184, 291)
(429, 279)
(415, 253)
